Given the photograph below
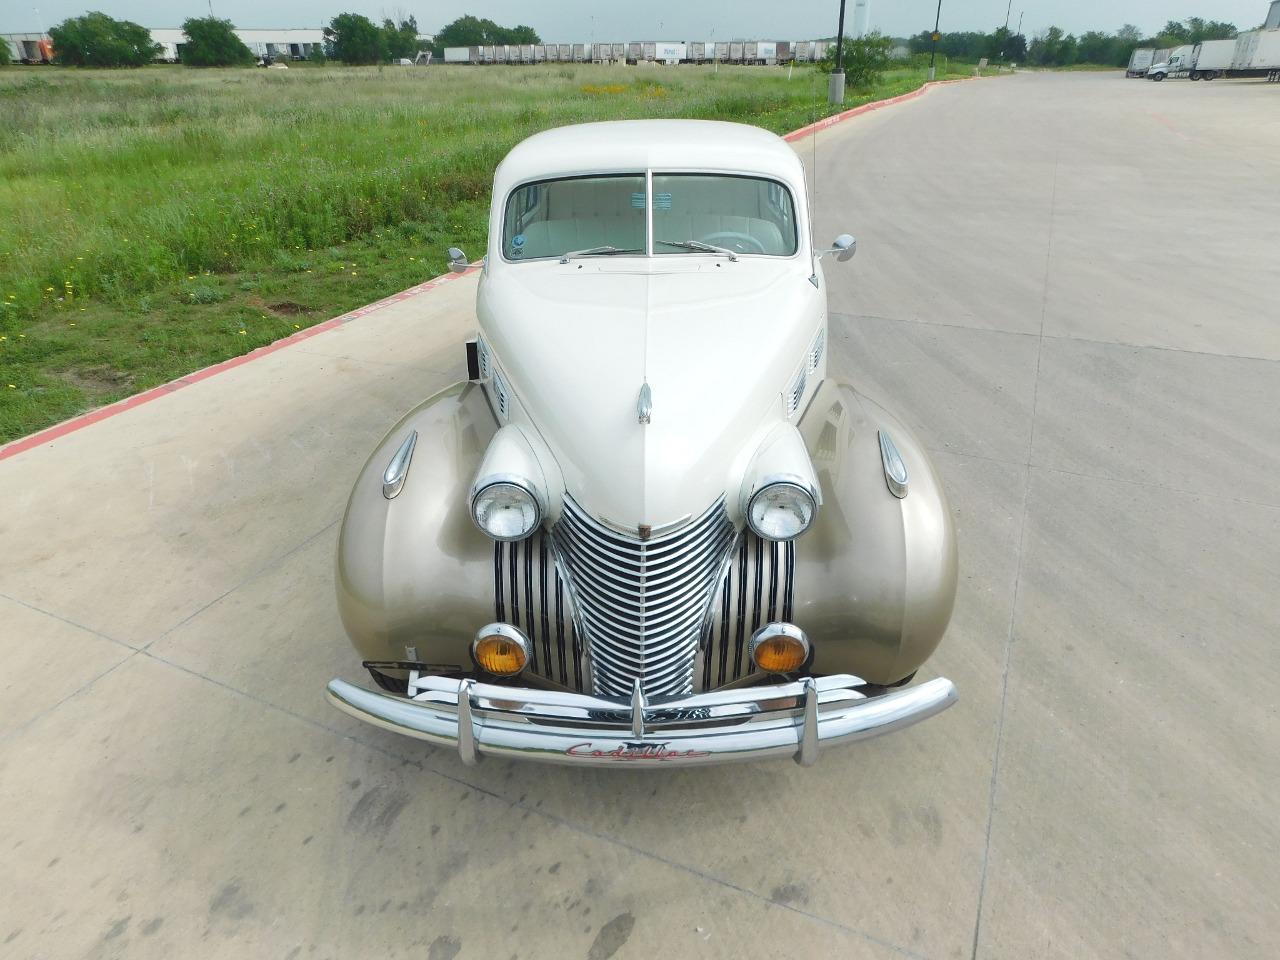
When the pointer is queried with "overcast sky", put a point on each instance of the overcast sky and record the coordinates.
(567, 20)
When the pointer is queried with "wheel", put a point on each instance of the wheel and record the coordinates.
(1208, 75)
(1195, 74)
(1157, 77)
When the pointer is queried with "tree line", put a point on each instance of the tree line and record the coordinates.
(97, 40)
(1055, 47)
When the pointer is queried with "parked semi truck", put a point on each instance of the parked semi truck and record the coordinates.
(1176, 62)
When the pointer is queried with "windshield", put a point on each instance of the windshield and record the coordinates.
(742, 214)
(555, 217)
(692, 214)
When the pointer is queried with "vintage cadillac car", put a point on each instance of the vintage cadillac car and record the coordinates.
(648, 528)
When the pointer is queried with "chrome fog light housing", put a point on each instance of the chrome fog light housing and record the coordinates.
(781, 511)
(500, 649)
(779, 648)
(506, 510)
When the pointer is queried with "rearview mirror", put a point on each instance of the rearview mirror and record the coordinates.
(457, 260)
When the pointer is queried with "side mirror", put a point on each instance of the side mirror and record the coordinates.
(844, 247)
(457, 260)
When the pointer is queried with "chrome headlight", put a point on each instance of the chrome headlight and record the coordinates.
(506, 510)
(781, 511)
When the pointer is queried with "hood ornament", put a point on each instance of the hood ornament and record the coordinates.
(644, 405)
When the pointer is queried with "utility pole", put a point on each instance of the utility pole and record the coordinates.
(936, 37)
(1007, 10)
(835, 86)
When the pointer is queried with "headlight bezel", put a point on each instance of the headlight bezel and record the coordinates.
(515, 482)
(779, 484)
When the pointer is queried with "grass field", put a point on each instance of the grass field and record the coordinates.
(155, 221)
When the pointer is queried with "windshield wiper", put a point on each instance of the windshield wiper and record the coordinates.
(598, 252)
(700, 246)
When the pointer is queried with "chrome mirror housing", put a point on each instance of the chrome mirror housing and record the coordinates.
(457, 260)
(844, 247)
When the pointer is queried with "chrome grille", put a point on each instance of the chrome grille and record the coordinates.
(530, 593)
(757, 589)
(642, 604)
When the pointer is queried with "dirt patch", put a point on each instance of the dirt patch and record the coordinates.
(288, 308)
(97, 381)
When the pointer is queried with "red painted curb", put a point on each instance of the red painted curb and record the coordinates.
(49, 434)
(865, 108)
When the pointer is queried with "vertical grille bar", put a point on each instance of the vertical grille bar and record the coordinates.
(758, 587)
(542, 607)
(526, 584)
(742, 610)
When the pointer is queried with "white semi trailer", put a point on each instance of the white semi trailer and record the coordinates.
(1212, 58)
(1140, 62)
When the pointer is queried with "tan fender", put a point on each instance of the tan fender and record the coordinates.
(414, 575)
(875, 577)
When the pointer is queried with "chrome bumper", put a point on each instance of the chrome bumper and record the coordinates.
(787, 719)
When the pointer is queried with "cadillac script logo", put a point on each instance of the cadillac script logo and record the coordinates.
(634, 751)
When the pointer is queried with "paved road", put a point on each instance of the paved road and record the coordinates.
(1067, 283)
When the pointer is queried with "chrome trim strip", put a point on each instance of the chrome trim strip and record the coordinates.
(895, 471)
(790, 719)
(398, 469)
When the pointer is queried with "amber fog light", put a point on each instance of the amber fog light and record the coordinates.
(779, 648)
(500, 649)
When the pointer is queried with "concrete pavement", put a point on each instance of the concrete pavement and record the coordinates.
(1067, 283)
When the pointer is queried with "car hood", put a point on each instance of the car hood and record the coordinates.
(717, 342)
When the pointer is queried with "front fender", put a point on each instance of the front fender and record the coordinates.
(875, 578)
(414, 575)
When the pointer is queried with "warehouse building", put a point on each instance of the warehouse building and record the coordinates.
(275, 44)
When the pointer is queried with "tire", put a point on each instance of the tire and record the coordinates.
(1158, 77)
(1195, 74)
(1208, 75)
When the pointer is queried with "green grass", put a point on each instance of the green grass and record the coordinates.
(155, 221)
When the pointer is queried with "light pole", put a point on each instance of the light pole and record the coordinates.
(936, 37)
(835, 86)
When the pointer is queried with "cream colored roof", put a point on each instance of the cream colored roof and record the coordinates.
(628, 146)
